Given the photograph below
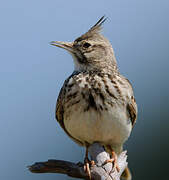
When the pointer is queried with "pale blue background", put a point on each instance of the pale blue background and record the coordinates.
(32, 73)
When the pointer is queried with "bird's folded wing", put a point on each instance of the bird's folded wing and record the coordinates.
(132, 110)
(60, 110)
(59, 106)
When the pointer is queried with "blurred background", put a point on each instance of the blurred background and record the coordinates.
(32, 73)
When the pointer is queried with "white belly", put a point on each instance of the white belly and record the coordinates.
(108, 127)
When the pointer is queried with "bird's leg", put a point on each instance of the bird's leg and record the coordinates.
(87, 163)
(113, 160)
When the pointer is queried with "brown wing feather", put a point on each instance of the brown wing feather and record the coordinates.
(132, 106)
(59, 107)
(132, 109)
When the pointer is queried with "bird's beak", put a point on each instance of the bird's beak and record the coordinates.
(65, 45)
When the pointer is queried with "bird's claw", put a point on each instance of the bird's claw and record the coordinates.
(87, 165)
(114, 161)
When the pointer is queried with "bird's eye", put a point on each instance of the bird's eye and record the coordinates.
(86, 45)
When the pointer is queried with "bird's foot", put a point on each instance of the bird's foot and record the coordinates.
(114, 161)
(87, 165)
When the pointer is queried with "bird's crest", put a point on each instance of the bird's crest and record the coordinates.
(94, 30)
(98, 26)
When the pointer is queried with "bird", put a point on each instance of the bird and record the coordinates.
(96, 103)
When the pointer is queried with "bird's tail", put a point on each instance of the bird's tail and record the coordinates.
(126, 175)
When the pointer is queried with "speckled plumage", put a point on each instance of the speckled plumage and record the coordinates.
(95, 98)
(96, 103)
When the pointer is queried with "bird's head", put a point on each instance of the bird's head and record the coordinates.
(91, 51)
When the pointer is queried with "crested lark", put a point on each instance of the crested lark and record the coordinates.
(96, 103)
